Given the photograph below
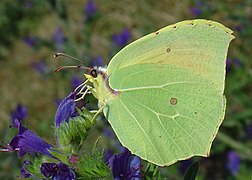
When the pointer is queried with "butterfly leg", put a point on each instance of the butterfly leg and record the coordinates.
(83, 94)
(93, 91)
(81, 88)
(97, 113)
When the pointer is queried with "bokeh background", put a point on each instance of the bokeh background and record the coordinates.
(32, 30)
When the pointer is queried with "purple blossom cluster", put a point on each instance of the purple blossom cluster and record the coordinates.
(122, 38)
(90, 10)
(233, 162)
(123, 165)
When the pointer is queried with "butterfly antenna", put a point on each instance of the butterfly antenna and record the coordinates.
(70, 57)
(70, 67)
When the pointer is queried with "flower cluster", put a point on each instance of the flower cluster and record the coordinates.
(72, 124)
(233, 163)
(125, 165)
(122, 38)
(57, 171)
(90, 10)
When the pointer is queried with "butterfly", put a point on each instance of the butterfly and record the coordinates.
(163, 93)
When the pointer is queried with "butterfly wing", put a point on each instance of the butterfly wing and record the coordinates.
(198, 45)
(170, 85)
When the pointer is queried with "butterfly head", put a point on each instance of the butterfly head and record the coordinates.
(94, 72)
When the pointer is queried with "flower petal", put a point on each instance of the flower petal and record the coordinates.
(18, 114)
(122, 38)
(48, 169)
(90, 9)
(233, 163)
(125, 165)
(66, 109)
(27, 141)
(23, 170)
(57, 171)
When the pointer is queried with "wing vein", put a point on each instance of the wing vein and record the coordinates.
(154, 147)
(162, 125)
(158, 87)
(158, 114)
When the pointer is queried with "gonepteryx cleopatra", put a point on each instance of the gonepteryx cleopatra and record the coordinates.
(163, 94)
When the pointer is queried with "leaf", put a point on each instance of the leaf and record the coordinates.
(191, 172)
(151, 172)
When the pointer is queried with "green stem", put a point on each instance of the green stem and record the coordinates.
(243, 150)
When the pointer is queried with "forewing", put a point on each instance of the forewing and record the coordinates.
(198, 45)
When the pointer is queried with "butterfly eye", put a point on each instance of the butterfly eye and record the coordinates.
(93, 73)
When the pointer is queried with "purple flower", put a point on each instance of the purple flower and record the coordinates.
(233, 163)
(58, 36)
(125, 165)
(237, 63)
(76, 81)
(20, 113)
(184, 165)
(59, 39)
(57, 171)
(57, 101)
(66, 109)
(122, 38)
(108, 153)
(231, 63)
(107, 131)
(23, 170)
(249, 131)
(27, 141)
(28, 4)
(74, 159)
(90, 9)
(30, 41)
(238, 28)
(97, 61)
(40, 67)
(196, 11)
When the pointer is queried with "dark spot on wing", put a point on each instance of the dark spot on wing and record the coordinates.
(173, 101)
(195, 112)
(168, 50)
(157, 33)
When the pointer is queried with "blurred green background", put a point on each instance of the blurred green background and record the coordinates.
(32, 30)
